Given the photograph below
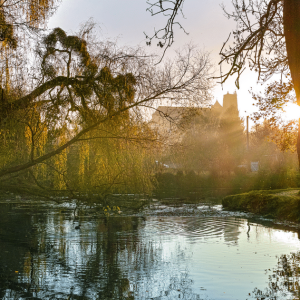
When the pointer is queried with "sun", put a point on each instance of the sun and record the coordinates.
(292, 112)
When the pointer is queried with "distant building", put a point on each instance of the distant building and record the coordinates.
(168, 119)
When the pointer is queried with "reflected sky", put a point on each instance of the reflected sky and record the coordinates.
(221, 257)
(43, 256)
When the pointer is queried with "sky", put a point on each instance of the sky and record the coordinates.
(126, 21)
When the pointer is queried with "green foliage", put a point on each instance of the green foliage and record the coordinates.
(77, 110)
(280, 204)
(112, 159)
(259, 202)
(59, 41)
(105, 160)
(13, 141)
(17, 17)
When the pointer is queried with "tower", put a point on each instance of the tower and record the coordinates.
(230, 101)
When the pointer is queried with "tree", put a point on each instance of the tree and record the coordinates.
(267, 37)
(213, 142)
(270, 105)
(78, 84)
(269, 42)
(116, 157)
(23, 16)
(21, 22)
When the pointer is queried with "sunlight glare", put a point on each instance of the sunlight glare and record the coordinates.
(292, 112)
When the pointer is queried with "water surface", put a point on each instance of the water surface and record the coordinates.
(203, 254)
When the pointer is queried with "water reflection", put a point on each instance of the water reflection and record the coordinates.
(43, 256)
(284, 280)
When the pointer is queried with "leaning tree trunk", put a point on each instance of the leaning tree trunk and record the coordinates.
(291, 23)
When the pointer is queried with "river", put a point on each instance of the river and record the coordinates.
(185, 252)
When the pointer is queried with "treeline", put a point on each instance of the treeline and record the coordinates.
(212, 159)
(194, 186)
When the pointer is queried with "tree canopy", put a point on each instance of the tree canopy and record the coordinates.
(76, 88)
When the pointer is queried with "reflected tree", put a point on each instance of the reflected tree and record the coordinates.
(97, 263)
(284, 281)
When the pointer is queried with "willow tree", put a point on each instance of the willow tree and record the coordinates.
(20, 22)
(116, 157)
(23, 15)
(80, 84)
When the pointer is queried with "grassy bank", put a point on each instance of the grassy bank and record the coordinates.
(278, 204)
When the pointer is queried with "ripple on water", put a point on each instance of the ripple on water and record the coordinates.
(196, 228)
(232, 253)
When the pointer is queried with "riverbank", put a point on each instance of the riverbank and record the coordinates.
(281, 205)
(276, 204)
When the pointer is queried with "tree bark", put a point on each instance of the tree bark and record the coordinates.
(291, 23)
(298, 144)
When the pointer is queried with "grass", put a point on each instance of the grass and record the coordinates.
(283, 204)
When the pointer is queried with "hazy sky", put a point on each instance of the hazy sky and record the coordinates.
(204, 20)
